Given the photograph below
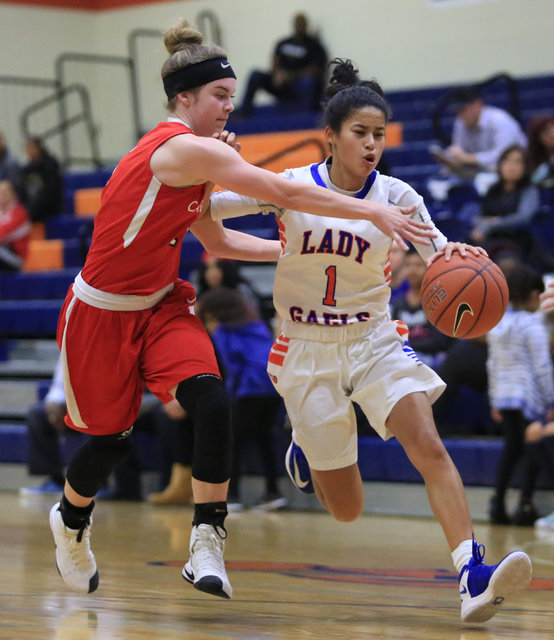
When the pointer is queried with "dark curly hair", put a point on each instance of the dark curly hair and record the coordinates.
(346, 93)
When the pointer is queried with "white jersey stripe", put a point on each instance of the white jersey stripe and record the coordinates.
(142, 212)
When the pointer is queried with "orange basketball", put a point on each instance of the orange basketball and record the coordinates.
(464, 297)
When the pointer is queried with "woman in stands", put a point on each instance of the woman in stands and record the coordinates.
(15, 229)
(338, 343)
(127, 319)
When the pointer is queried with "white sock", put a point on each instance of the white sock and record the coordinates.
(462, 553)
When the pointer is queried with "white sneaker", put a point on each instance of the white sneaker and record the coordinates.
(205, 568)
(545, 523)
(74, 559)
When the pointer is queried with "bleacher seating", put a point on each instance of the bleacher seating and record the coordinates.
(30, 301)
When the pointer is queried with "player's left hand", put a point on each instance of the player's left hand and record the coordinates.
(547, 298)
(459, 247)
(229, 137)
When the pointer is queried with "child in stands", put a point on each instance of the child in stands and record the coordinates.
(521, 388)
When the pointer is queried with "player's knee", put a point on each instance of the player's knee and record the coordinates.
(95, 460)
(205, 399)
(347, 511)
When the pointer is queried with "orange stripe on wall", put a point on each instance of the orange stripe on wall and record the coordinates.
(85, 5)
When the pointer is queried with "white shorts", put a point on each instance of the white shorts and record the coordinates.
(319, 371)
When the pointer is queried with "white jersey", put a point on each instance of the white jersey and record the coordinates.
(332, 271)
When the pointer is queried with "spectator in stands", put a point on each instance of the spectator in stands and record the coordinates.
(547, 298)
(47, 429)
(243, 342)
(541, 150)
(214, 272)
(42, 182)
(464, 365)
(175, 432)
(521, 387)
(480, 134)
(298, 68)
(508, 206)
(398, 281)
(429, 343)
(15, 229)
(539, 445)
(9, 165)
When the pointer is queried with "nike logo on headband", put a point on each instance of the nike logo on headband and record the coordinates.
(225, 66)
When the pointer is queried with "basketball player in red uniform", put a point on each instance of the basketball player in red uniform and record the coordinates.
(127, 318)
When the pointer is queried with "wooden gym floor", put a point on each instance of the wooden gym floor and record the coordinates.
(295, 575)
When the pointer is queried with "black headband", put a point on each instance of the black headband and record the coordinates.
(195, 75)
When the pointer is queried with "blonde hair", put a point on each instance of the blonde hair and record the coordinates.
(185, 45)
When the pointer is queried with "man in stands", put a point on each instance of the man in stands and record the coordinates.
(480, 134)
(299, 63)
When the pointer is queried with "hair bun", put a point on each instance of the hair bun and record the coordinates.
(182, 35)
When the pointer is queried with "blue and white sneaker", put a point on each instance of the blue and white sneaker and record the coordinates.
(48, 487)
(484, 588)
(298, 468)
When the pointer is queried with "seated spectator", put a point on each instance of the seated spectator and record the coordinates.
(298, 67)
(175, 432)
(508, 206)
(47, 429)
(42, 182)
(541, 151)
(9, 166)
(464, 366)
(15, 229)
(428, 342)
(242, 343)
(480, 134)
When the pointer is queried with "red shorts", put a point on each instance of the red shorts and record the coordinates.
(109, 356)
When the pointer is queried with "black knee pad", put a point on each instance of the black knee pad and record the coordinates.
(204, 398)
(95, 460)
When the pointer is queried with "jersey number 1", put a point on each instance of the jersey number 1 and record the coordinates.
(331, 273)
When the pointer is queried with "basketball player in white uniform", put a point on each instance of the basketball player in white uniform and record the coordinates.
(338, 343)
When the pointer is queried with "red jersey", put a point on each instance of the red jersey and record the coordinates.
(15, 229)
(139, 229)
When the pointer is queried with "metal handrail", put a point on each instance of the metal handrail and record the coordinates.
(65, 124)
(211, 20)
(93, 58)
(132, 47)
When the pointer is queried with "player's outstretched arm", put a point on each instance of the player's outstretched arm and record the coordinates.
(186, 160)
(231, 244)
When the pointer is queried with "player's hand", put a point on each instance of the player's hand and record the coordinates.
(229, 137)
(459, 247)
(396, 223)
(547, 298)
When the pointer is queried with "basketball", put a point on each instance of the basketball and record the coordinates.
(464, 297)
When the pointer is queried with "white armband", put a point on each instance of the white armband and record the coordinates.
(226, 204)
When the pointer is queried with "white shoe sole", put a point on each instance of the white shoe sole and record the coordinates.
(513, 574)
(208, 584)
